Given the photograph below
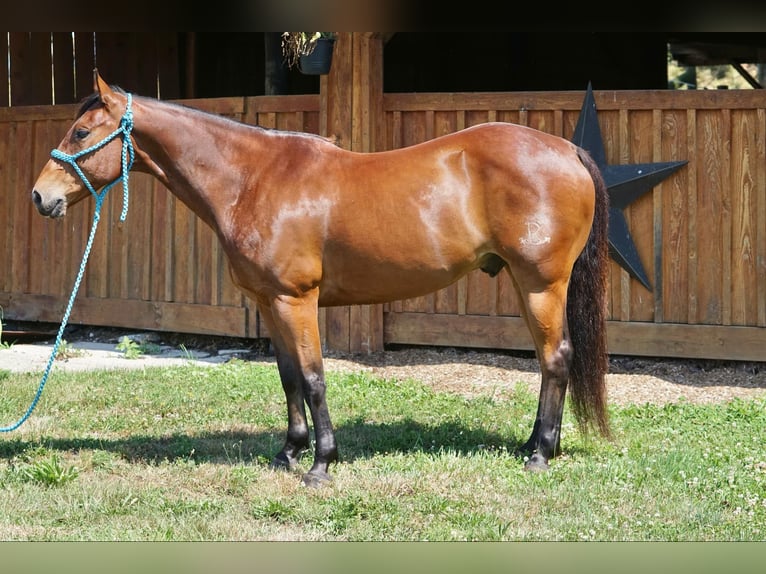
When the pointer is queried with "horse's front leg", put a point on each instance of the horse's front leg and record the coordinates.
(297, 440)
(294, 327)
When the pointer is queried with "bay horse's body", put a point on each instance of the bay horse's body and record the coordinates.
(305, 224)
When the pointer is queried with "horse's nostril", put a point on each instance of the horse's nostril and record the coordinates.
(36, 198)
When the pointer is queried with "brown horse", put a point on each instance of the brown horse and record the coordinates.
(306, 224)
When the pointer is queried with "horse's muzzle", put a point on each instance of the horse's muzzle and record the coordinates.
(53, 209)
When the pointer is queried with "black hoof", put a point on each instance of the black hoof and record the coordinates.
(536, 463)
(316, 479)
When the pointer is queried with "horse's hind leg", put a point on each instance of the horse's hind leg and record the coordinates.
(546, 318)
(292, 323)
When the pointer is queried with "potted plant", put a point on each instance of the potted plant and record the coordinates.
(311, 52)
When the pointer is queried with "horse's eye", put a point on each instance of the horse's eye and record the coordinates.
(81, 133)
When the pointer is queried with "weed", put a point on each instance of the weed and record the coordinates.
(49, 471)
(133, 349)
(187, 353)
(67, 351)
(129, 347)
(273, 510)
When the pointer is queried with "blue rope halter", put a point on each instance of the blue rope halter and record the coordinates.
(128, 156)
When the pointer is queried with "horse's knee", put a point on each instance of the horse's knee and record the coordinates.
(314, 389)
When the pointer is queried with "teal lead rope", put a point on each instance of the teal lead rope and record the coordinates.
(128, 156)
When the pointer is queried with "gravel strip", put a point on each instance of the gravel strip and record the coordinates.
(462, 371)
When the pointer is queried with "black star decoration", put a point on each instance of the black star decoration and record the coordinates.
(626, 183)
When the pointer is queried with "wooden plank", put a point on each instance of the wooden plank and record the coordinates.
(38, 113)
(674, 246)
(641, 137)
(264, 104)
(39, 227)
(725, 202)
(687, 341)
(543, 120)
(507, 300)
(639, 339)
(163, 223)
(21, 134)
(58, 231)
(117, 248)
(760, 209)
(184, 272)
(204, 291)
(337, 328)
(359, 129)
(743, 284)
(358, 329)
(614, 140)
(267, 120)
(139, 245)
(160, 316)
(462, 331)
(45, 234)
(691, 136)
(96, 278)
(657, 220)
(229, 292)
(229, 106)
(7, 207)
(78, 222)
(311, 123)
(481, 296)
(476, 117)
(571, 101)
(709, 215)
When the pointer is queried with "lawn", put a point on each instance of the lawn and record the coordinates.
(183, 454)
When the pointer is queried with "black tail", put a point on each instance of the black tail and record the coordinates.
(586, 315)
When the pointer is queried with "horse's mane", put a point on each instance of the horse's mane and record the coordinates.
(93, 100)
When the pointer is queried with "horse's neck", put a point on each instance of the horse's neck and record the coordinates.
(184, 151)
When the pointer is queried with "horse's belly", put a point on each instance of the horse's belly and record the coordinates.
(377, 286)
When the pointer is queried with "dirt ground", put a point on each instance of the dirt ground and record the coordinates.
(463, 371)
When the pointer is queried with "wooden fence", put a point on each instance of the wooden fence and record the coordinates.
(701, 234)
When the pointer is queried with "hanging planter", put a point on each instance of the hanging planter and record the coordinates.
(310, 52)
(318, 61)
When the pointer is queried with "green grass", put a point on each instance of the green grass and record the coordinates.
(182, 454)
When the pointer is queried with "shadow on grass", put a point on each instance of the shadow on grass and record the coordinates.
(357, 439)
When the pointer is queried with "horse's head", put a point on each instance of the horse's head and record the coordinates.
(59, 185)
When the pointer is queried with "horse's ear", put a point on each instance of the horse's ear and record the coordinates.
(103, 89)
